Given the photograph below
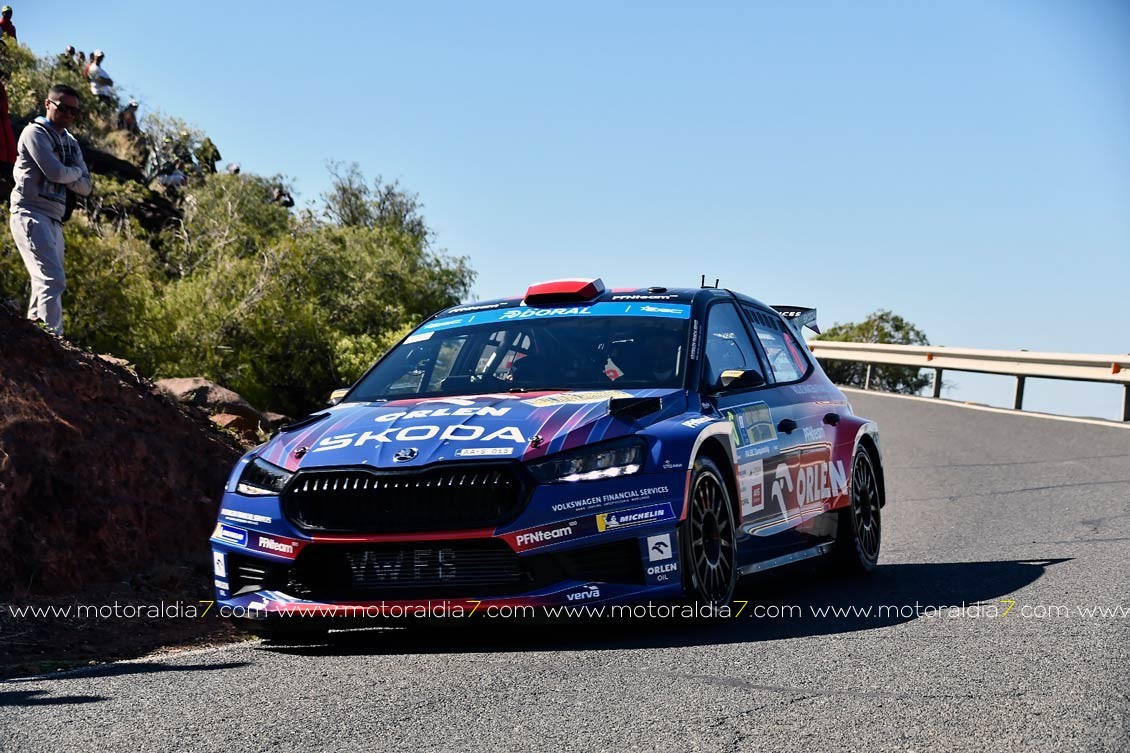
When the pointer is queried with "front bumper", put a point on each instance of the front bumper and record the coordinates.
(572, 544)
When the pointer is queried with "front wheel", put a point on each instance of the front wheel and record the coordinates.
(708, 539)
(860, 525)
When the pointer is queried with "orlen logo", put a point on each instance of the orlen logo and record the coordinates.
(589, 592)
(814, 482)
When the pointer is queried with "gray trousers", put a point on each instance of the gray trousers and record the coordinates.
(40, 241)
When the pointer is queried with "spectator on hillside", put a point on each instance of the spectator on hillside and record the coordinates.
(283, 198)
(80, 61)
(49, 166)
(101, 85)
(127, 119)
(86, 63)
(66, 58)
(207, 155)
(232, 168)
(6, 25)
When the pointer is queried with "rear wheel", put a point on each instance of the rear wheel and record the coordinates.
(709, 539)
(860, 525)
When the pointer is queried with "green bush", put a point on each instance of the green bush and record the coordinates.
(880, 327)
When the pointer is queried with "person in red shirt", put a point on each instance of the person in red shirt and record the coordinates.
(6, 26)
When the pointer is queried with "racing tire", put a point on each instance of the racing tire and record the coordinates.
(295, 634)
(708, 539)
(859, 531)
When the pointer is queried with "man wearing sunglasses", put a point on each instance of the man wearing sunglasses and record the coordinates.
(49, 163)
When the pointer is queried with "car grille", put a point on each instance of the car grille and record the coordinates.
(438, 499)
(450, 569)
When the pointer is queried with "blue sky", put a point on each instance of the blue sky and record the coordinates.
(965, 164)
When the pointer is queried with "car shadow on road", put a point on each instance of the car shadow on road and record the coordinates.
(119, 669)
(789, 603)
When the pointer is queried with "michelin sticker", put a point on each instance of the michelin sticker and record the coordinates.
(610, 521)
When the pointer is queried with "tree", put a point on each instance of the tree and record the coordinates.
(880, 327)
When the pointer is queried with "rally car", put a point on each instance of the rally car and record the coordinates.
(572, 445)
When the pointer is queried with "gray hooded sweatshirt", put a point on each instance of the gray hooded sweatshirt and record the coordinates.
(47, 165)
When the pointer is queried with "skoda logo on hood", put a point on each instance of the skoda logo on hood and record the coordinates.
(405, 454)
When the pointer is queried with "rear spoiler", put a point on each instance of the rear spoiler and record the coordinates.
(798, 318)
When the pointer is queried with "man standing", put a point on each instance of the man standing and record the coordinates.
(48, 164)
(101, 85)
(7, 28)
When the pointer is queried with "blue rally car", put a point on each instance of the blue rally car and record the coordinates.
(574, 445)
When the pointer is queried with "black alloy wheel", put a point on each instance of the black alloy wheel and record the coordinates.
(860, 529)
(709, 539)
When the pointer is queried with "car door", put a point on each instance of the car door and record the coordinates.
(753, 413)
(804, 479)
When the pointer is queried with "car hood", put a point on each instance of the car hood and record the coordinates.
(408, 433)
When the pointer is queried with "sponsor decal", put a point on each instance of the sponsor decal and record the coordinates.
(219, 565)
(610, 521)
(277, 545)
(230, 534)
(694, 339)
(456, 433)
(544, 313)
(658, 310)
(751, 487)
(245, 517)
(809, 389)
(588, 592)
(752, 424)
(468, 409)
(535, 537)
(662, 570)
(814, 482)
(223, 585)
(648, 297)
(813, 435)
(479, 307)
(659, 547)
(257, 606)
(669, 466)
(694, 423)
(484, 451)
(603, 500)
(418, 337)
(443, 323)
(575, 398)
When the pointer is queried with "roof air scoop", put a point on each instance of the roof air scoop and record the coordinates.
(563, 291)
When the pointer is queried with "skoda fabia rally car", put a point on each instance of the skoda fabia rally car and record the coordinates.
(574, 445)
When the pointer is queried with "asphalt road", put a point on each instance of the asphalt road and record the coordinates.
(983, 508)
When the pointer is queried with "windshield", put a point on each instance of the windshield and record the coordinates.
(523, 350)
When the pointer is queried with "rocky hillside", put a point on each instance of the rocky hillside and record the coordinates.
(100, 475)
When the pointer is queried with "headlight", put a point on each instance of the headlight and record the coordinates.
(614, 459)
(261, 478)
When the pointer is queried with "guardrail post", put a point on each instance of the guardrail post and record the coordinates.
(1126, 402)
(867, 379)
(937, 382)
(1018, 401)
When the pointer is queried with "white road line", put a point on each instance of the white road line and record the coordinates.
(991, 409)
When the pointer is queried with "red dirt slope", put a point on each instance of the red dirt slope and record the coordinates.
(99, 477)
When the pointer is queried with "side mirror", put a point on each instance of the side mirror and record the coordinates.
(336, 396)
(739, 379)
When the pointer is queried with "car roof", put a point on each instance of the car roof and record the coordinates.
(656, 293)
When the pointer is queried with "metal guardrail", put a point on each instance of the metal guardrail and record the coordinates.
(1021, 364)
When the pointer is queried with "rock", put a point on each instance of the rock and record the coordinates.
(275, 420)
(114, 360)
(210, 396)
(247, 428)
